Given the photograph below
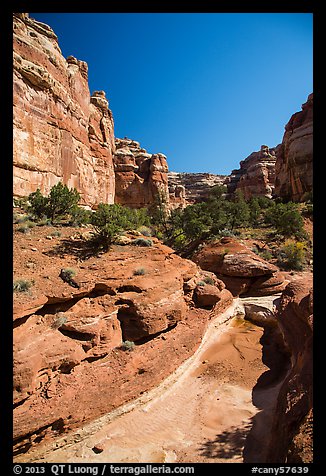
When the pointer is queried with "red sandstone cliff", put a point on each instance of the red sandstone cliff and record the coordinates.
(60, 131)
(256, 175)
(140, 176)
(294, 164)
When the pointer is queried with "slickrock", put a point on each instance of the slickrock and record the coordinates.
(256, 176)
(69, 367)
(294, 164)
(188, 188)
(242, 271)
(61, 132)
(292, 426)
(140, 176)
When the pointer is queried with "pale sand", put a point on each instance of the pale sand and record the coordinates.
(201, 413)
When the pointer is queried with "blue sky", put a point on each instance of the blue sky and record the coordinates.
(205, 89)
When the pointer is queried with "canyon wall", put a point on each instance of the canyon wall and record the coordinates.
(256, 175)
(139, 175)
(294, 164)
(188, 188)
(60, 132)
(292, 428)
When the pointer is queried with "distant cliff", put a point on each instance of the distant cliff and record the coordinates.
(188, 188)
(139, 175)
(256, 175)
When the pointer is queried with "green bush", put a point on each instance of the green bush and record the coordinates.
(128, 345)
(139, 272)
(142, 242)
(67, 273)
(22, 285)
(292, 255)
(209, 280)
(60, 202)
(109, 221)
(286, 218)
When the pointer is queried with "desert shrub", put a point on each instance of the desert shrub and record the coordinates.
(80, 216)
(128, 345)
(201, 283)
(55, 233)
(209, 280)
(38, 204)
(292, 255)
(59, 320)
(23, 229)
(19, 218)
(145, 230)
(142, 242)
(22, 285)
(60, 202)
(139, 272)
(67, 273)
(286, 218)
(21, 203)
(109, 221)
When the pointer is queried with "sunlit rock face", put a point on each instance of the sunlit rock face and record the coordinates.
(140, 176)
(256, 176)
(188, 188)
(60, 131)
(294, 165)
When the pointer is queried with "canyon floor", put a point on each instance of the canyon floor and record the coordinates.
(202, 412)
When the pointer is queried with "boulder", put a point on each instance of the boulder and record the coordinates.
(242, 271)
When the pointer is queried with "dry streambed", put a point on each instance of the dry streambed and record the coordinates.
(203, 412)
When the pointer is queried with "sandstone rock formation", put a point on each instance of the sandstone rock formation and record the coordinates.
(242, 271)
(140, 176)
(188, 188)
(68, 364)
(61, 133)
(256, 175)
(294, 164)
(292, 425)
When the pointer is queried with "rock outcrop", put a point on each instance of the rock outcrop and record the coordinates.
(69, 367)
(256, 175)
(292, 426)
(294, 164)
(242, 271)
(140, 176)
(188, 188)
(61, 132)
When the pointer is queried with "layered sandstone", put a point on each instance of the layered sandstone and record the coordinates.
(140, 176)
(292, 426)
(256, 175)
(60, 131)
(69, 367)
(294, 164)
(242, 271)
(188, 188)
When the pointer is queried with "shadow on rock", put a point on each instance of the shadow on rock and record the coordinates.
(226, 445)
(80, 248)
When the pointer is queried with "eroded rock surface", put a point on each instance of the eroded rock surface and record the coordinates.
(294, 164)
(242, 271)
(292, 426)
(69, 366)
(140, 176)
(256, 175)
(60, 131)
(189, 188)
